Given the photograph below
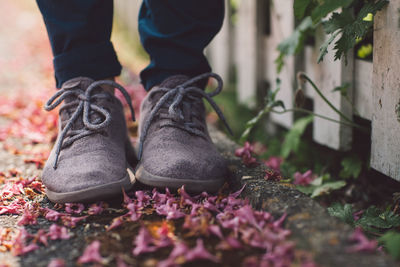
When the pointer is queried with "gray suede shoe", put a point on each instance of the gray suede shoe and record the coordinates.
(92, 157)
(175, 148)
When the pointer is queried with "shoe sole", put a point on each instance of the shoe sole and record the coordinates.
(195, 186)
(96, 193)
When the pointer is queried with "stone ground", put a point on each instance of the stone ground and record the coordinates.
(24, 70)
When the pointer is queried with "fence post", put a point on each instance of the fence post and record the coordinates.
(385, 155)
(282, 26)
(328, 75)
(247, 52)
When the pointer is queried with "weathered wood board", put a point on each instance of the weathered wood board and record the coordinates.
(328, 75)
(385, 155)
(247, 52)
(363, 88)
(282, 26)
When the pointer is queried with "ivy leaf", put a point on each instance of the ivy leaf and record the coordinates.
(292, 138)
(327, 7)
(391, 241)
(350, 28)
(374, 220)
(300, 7)
(351, 167)
(344, 213)
(338, 21)
(323, 50)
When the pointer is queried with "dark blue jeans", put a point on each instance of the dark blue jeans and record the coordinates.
(173, 32)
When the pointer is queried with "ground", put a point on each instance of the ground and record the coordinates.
(267, 223)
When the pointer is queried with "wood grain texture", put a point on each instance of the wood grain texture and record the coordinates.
(385, 155)
(328, 75)
(282, 26)
(246, 52)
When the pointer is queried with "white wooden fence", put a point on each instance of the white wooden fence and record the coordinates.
(251, 46)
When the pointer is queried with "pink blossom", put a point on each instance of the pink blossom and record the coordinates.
(58, 232)
(116, 222)
(246, 215)
(274, 163)
(72, 208)
(143, 242)
(303, 179)
(142, 198)
(29, 248)
(215, 230)
(185, 197)
(362, 243)
(245, 153)
(170, 210)
(229, 243)
(247, 149)
(200, 253)
(29, 216)
(134, 212)
(56, 263)
(272, 175)
(53, 215)
(127, 199)
(70, 221)
(91, 253)
(180, 249)
(278, 223)
(237, 193)
(41, 236)
(158, 198)
(96, 209)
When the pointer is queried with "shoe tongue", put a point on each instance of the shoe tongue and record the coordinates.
(82, 82)
(174, 81)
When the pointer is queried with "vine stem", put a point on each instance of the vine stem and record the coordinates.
(305, 77)
(351, 124)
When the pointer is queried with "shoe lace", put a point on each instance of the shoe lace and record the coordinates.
(85, 107)
(173, 100)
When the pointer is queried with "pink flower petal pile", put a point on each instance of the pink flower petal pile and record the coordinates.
(246, 153)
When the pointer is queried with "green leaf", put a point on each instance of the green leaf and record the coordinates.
(300, 7)
(351, 167)
(308, 190)
(342, 89)
(323, 50)
(344, 213)
(374, 220)
(351, 29)
(292, 138)
(338, 21)
(391, 241)
(328, 6)
(327, 188)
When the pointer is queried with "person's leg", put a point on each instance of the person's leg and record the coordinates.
(92, 154)
(175, 148)
(79, 33)
(175, 33)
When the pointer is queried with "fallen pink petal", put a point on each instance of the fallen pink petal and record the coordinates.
(91, 253)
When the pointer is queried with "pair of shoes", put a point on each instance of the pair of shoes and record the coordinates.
(93, 158)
